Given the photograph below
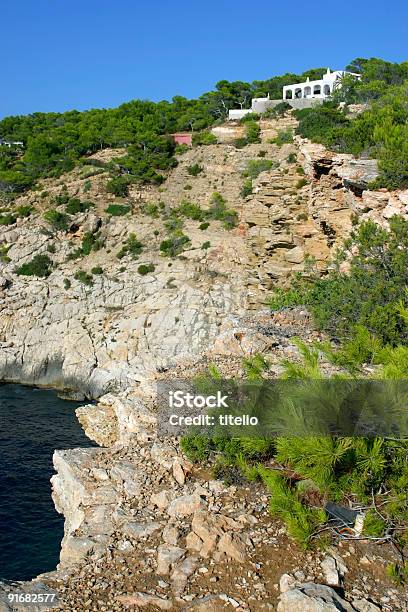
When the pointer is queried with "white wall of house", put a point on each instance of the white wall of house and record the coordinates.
(298, 95)
(321, 88)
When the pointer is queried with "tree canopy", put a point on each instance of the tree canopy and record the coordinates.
(55, 142)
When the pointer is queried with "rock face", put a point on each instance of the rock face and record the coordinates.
(340, 192)
(310, 597)
(118, 331)
(114, 338)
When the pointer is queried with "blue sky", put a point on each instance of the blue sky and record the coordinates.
(62, 54)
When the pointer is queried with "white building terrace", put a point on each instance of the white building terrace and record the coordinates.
(298, 95)
(321, 88)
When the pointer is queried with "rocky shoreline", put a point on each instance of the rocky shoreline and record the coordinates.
(144, 528)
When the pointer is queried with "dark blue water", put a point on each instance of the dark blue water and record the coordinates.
(33, 423)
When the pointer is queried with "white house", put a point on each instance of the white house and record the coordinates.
(12, 143)
(321, 88)
(298, 95)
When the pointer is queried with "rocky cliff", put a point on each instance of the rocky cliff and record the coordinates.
(142, 526)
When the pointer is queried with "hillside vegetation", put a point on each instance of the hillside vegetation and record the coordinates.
(55, 142)
(381, 131)
(365, 312)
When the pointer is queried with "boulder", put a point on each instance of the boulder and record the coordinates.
(233, 547)
(329, 568)
(311, 597)
(181, 572)
(140, 530)
(167, 555)
(185, 505)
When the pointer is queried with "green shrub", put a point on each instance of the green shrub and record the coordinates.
(91, 241)
(197, 448)
(194, 170)
(173, 223)
(87, 186)
(4, 258)
(51, 247)
(240, 143)
(301, 183)
(206, 245)
(320, 122)
(218, 211)
(75, 206)
(283, 137)
(40, 265)
(262, 153)
(84, 278)
(254, 366)
(252, 132)
(117, 210)
(374, 525)
(285, 503)
(132, 246)
(181, 148)
(191, 211)
(151, 209)
(398, 573)
(7, 219)
(118, 186)
(277, 111)
(67, 283)
(246, 189)
(173, 246)
(146, 269)
(251, 117)
(62, 198)
(256, 166)
(370, 295)
(291, 158)
(25, 210)
(204, 226)
(97, 270)
(56, 219)
(204, 138)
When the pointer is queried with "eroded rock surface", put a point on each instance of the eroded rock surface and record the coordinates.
(142, 527)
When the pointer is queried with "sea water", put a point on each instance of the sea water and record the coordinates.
(33, 423)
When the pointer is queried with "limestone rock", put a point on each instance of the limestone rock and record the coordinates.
(209, 603)
(144, 599)
(170, 535)
(233, 547)
(181, 572)
(178, 471)
(310, 597)
(185, 505)
(161, 499)
(167, 555)
(286, 582)
(329, 568)
(140, 530)
(295, 255)
(363, 605)
(193, 542)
